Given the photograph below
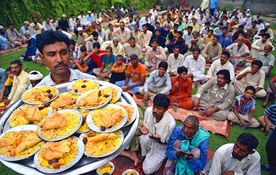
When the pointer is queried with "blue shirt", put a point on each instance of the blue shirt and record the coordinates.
(108, 62)
(89, 18)
(224, 42)
(31, 49)
(213, 4)
(196, 164)
(242, 106)
(271, 112)
(3, 43)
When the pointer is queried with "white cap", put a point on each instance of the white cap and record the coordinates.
(1, 27)
(35, 75)
(247, 14)
(112, 7)
(79, 29)
(89, 12)
(267, 24)
(63, 16)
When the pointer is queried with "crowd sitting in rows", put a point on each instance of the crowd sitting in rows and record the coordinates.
(193, 39)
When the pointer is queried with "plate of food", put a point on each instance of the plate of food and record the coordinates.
(65, 100)
(82, 85)
(116, 92)
(130, 112)
(29, 114)
(55, 157)
(106, 168)
(19, 143)
(84, 127)
(95, 98)
(61, 124)
(101, 144)
(107, 119)
(130, 172)
(40, 95)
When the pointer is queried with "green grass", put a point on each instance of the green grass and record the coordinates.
(215, 140)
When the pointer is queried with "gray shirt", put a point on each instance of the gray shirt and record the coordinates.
(13, 35)
(155, 81)
(266, 60)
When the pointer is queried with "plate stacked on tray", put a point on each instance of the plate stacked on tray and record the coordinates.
(46, 123)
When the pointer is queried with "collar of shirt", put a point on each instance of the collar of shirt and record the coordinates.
(224, 87)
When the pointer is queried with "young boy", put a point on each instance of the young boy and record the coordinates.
(108, 60)
(81, 65)
(118, 70)
(243, 108)
(268, 121)
(8, 84)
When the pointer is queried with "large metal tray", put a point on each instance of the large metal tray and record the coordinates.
(85, 164)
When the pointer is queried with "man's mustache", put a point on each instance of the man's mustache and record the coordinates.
(61, 64)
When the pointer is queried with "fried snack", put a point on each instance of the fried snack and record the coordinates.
(81, 86)
(54, 122)
(95, 98)
(57, 154)
(19, 144)
(106, 168)
(129, 109)
(65, 101)
(114, 93)
(40, 94)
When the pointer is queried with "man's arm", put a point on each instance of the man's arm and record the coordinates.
(168, 85)
(170, 152)
(141, 82)
(243, 74)
(272, 86)
(228, 99)
(261, 81)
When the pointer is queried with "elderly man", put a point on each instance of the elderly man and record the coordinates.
(159, 81)
(219, 97)
(81, 37)
(47, 25)
(251, 76)
(122, 33)
(183, 139)
(156, 129)
(116, 46)
(133, 48)
(258, 45)
(92, 39)
(196, 42)
(241, 153)
(56, 56)
(238, 52)
(269, 31)
(212, 50)
(14, 36)
(267, 59)
(36, 26)
(26, 28)
(222, 63)
(175, 60)
(31, 49)
(20, 82)
(144, 38)
(154, 56)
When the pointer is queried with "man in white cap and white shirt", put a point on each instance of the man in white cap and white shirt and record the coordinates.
(35, 77)
(269, 31)
(81, 37)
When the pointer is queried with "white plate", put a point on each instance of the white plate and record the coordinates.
(65, 167)
(18, 129)
(93, 127)
(118, 95)
(120, 135)
(34, 103)
(73, 92)
(74, 112)
(64, 94)
(133, 117)
(130, 170)
(112, 165)
(92, 107)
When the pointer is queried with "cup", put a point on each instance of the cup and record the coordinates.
(202, 111)
(175, 106)
(246, 124)
(146, 103)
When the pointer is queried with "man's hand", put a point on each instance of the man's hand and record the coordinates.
(124, 88)
(210, 111)
(146, 96)
(7, 102)
(171, 74)
(153, 56)
(176, 85)
(102, 75)
(155, 137)
(267, 74)
(196, 103)
(242, 121)
(143, 129)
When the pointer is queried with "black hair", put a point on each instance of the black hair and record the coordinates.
(95, 33)
(8, 69)
(50, 37)
(57, 28)
(16, 62)
(258, 63)
(196, 49)
(72, 14)
(248, 140)
(193, 119)
(163, 64)
(83, 49)
(226, 54)
(250, 88)
(224, 28)
(131, 38)
(72, 41)
(157, 22)
(120, 56)
(182, 69)
(96, 44)
(175, 25)
(216, 36)
(161, 100)
(190, 27)
(133, 57)
(226, 74)
(108, 48)
(267, 35)
(220, 23)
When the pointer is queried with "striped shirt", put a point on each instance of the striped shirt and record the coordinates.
(271, 112)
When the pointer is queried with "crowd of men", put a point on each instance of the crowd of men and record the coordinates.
(178, 42)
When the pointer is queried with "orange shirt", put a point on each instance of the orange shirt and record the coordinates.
(246, 42)
(184, 90)
(118, 68)
(137, 73)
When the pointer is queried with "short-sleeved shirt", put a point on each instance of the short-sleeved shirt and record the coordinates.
(96, 58)
(9, 82)
(137, 73)
(271, 112)
(242, 106)
(108, 62)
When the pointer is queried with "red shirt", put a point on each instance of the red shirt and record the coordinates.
(97, 58)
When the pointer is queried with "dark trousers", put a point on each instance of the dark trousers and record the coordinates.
(271, 152)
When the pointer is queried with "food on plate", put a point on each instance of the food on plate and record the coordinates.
(81, 86)
(28, 114)
(40, 94)
(54, 122)
(57, 154)
(114, 91)
(95, 98)
(100, 144)
(65, 101)
(129, 109)
(131, 173)
(106, 168)
(84, 127)
(19, 144)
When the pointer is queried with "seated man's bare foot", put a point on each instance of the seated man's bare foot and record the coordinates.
(135, 158)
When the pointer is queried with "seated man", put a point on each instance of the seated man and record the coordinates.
(212, 50)
(156, 129)
(195, 64)
(218, 98)
(267, 59)
(133, 48)
(225, 39)
(241, 153)
(251, 76)
(238, 53)
(178, 41)
(144, 38)
(159, 81)
(20, 82)
(81, 38)
(14, 36)
(175, 60)
(59, 64)
(246, 41)
(136, 76)
(258, 45)
(196, 42)
(160, 39)
(186, 136)
(222, 63)
(31, 49)
(271, 91)
(4, 42)
(116, 46)
(92, 39)
(154, 56)
(122, 33)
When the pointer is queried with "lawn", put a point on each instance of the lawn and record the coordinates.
(215, 140)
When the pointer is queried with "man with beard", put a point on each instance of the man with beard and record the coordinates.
(212, 50)
(122, 33)
(14, 36)
(175, 60)
(54, 48)
(258, 45)
(20, 82)
(156, 129)
(81, 37)
(36, 26)
(93, 39)
(236, 158)
(77, 26)
(133, 48)
(183, 139)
